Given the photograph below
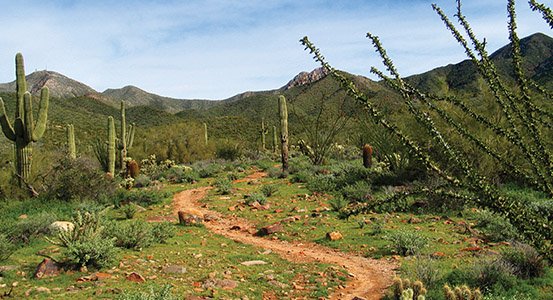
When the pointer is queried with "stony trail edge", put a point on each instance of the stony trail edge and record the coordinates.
(369, 278)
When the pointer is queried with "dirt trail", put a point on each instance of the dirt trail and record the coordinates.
(369, 278)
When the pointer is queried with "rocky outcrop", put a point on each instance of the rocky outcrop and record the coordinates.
(304, 78)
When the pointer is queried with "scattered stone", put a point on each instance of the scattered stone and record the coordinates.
(48, 268)
(98, 292)
(266, 206)
(254, 204)
(278, 284)
(414, 220)
(42, 289)
(135, 277)
(267, 252)
(270, 229)
(334, 235)
(236, 227)
(224, 198)
(102, 276)
(211, 217)
(225, 284)
(190, 217)
(175, 269)
(288, 220)
(83, 269)
(61, 225)
(253, 262)
(23, 217)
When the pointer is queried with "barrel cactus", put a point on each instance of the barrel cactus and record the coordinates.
(367, 156)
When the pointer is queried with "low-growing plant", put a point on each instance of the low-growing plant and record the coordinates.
(337, 203)
(129, 210)
(256, 197)
(491, 275)
(360, 191)
(496, 227)
(190, 176)
(525, 260)
(269, 189)
(7, 248)
(142, 180)
(408, 242)
(162, 231)
(163, 293)
(232, 176)
(301, 176)
(224, 185)
(322, 183)
(403, 289)
(85, 244)
(147, 197)
(31, 227)
(377, 227)
(132, 234)
(427, 270)
(461, 293)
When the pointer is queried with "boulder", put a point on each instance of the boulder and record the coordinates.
(190, 217)
(48, 268)
(270, 229)
(334, 235)
(135, 277)
(62, 225)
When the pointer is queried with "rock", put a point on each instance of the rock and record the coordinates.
(278, 284)
(48, 268)
(253, 262)
(270, 229)
(254, 204)
(61, 225)
(358, 298)
(135, 277)
(334, 235)
(265, 206)
(414, 220)
(190, 217)
(23, 217)
(288, 220)
(211, 217)
(42, 289)
(175, 269)
(225, 284)
(102, 276)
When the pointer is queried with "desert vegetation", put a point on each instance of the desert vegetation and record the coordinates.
(448, 190)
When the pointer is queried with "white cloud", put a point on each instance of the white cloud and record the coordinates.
(215, 49)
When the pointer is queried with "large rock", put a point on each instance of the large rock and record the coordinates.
(62, 225)
(270, 229)
(175, 270)
(334, 235)
(135, 277)
(48, 268)
(190, 217)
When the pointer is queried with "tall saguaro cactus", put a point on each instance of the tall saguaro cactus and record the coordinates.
(274, 140)
(126, 140)
(283, 113)
(264, 131)
(205, 133)
(111, 146)
(70, 132)
(24, 131)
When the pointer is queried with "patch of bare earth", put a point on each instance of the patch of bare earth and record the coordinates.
(369, 278)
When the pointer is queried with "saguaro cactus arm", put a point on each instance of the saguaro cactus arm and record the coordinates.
(40, 125)
(7, 128)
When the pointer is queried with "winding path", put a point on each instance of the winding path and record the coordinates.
(369, 278)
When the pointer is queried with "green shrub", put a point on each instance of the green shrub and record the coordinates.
(360, 191)
(269, 189)
(206, 169)
(224, 185)
(142, 180)
(86, 245)
(491, 275)
(232, 176)
(30, 227)
(190, 176)
(145, 197)
(162, 231)
(89, 206)
(301, 176)
(496, 227)
(132, 234)
(256, 197)
(322, 183)
(129, 210)
(525, 260)
(229, 151)
(337, 203)
(427, 270)
(7, 248)
(408, 242)
(544, 208)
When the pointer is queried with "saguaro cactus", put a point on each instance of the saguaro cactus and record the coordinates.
(111, 146)
(24, 131)
(264, 131)
(205, 133)
(125, 142)
(274, 139)
(283, 112)
(70, 132)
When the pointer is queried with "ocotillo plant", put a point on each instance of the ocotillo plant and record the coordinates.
(70, 132)
(124, 143)
(283, 113)
(111, 146)
(524, 130)
(24, 131)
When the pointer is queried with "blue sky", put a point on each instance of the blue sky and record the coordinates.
(214, 49)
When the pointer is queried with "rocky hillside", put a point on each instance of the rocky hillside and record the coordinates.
(60, 86)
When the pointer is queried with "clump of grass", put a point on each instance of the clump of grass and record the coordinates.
(269, 189)
(408, 242)
(256, 197)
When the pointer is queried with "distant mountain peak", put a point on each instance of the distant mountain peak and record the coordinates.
(304, 78)
(60, 86)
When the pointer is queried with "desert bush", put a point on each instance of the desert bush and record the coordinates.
(269, 189)
(232, 176)
(496, 227)
(491, 275)
(224, 185)
(427, 270)
(256, 197)
(190, 176)
(228, 150)
(85, 244)
(357, 192)
(407, 242)
(77, 179)
(337, 203)
(322, 183)
(144, 197)
(142, 181)
(162, 231)
(544, 208)
(525, 260)
(207, 169)
(7, 247)
(31, 227)
(131, 234)
(129, 210)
